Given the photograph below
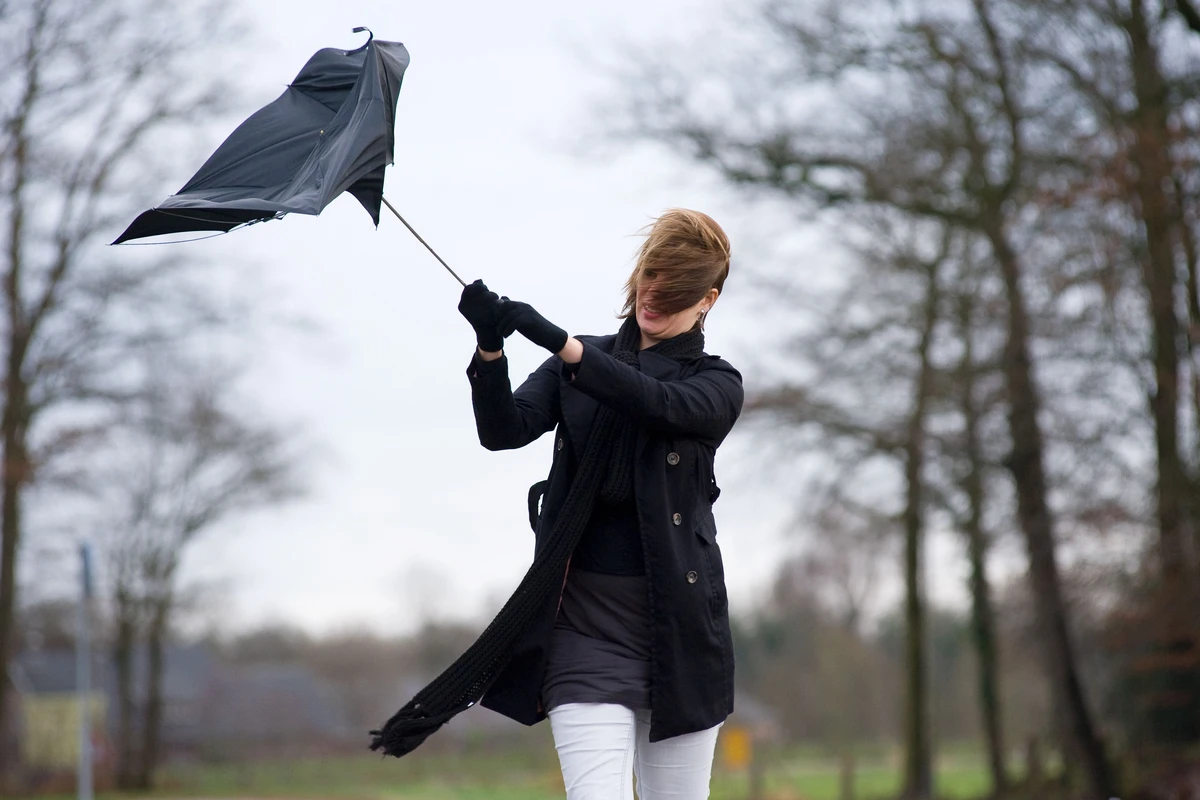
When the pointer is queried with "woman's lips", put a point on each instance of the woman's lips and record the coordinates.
(650, 316)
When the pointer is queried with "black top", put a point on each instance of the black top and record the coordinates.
(612, 541)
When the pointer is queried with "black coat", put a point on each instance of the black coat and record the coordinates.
(683, 412)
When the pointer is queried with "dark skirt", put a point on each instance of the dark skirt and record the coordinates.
(601, 647)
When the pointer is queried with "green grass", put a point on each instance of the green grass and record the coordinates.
(816, 778)
(425, 777)
(799, 774)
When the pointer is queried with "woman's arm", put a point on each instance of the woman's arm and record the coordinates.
(572, 352)
(703, 406)
(505, 419)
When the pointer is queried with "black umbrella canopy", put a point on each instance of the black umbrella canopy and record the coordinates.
(331, 131)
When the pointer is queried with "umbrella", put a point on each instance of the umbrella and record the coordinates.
(331, 131)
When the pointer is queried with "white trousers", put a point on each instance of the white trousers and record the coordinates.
(602, 746)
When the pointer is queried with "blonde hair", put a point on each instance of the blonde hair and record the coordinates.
(686, 254)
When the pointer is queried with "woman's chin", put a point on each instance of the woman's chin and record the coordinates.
(652, 331)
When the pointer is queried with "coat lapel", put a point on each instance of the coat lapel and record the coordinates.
(578, 411)
(660, 368)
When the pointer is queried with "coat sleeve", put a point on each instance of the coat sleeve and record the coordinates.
(506, 419)
(703, 406)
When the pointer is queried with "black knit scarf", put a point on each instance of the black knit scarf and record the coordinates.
(605, 466)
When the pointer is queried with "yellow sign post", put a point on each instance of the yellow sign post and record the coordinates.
(737, 747)
(737, 753)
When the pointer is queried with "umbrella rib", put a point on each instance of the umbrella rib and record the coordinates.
(422, 241)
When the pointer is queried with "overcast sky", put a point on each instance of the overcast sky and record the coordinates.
(407, 514)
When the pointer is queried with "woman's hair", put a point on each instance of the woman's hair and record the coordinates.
(686, 254)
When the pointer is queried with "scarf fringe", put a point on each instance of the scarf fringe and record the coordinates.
(409, 728)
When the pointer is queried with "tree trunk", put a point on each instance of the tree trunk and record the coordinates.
(1193, 301)
(983, 632)
(152, 720)
(15, 475)
(15, 468)
(10, 530)
(1187, 243)
(918, 756)
(123, 654)
(1027, 464)
(983, 628)
(846, 771)
(1150, 155)
(1173, 714)
(15, 421)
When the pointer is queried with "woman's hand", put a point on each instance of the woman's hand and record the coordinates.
(517, 316)
(481, 308)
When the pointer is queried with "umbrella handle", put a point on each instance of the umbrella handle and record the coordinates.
(422, 241)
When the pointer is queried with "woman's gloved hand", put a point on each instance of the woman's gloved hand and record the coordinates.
(481, 308)
(517, 316)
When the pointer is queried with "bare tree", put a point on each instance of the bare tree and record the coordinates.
(1150, 157)
(822, 680)
(85, 89)
(889, 327)
(845, 561)
(190, 458)
(1128, 71)
(918, 772)
(983, 625)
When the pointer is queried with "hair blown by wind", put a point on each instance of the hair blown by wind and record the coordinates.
(685, 254)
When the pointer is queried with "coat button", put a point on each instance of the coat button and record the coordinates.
(672, 458)
(692, 577)
(677, 518)
(560, 444)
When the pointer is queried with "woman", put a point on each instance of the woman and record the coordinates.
(632, 660)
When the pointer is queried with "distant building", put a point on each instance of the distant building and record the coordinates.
(264, 708)
(210, 709)
(47, 705)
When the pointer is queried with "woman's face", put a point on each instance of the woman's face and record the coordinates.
(658, 326)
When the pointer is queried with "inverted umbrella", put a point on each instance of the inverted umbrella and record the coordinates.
(331, 131)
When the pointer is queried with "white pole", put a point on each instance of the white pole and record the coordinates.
(83, 674)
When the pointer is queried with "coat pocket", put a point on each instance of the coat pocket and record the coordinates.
(710, 558)
(707, 527)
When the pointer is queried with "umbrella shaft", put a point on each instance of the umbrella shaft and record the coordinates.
(422, 241)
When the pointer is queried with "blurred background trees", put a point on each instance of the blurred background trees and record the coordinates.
(182, 458)
(103, 412)
(88, 90)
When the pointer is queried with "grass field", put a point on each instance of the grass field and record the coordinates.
(533, 775)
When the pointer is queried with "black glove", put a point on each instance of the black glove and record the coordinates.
(515, 316)
(481, 308)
